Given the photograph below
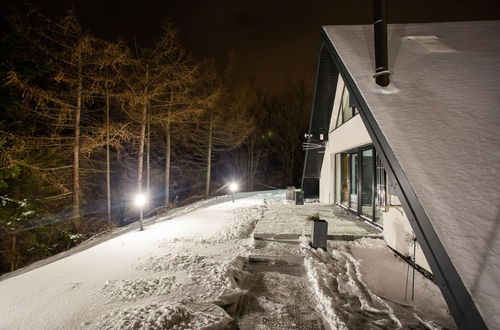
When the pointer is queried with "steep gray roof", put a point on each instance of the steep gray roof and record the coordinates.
(439, 125)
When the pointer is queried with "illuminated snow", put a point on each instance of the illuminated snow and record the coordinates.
(170, 275)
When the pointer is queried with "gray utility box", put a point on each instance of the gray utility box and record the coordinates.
(290, 193)
(299, 197)
(319, 235)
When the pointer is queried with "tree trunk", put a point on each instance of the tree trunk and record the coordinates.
(76, 148)
(167, 163)
(142, 137)
(13, 254)
(148, 149)
(251, 171)
(141, 148)
(209, 156)
(108, 165)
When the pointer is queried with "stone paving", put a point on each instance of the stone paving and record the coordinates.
(284, 220)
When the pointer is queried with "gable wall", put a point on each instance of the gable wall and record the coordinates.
(350, 135)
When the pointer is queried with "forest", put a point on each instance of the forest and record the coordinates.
(87, 123)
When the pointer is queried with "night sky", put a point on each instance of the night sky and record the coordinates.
(273, 40)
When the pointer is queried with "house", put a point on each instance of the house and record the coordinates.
(421, 155)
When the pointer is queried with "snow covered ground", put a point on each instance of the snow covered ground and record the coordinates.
(361, 284)
(287, 220)
(163, 277)
(190, 271)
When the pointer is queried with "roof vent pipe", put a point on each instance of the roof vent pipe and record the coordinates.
(380, 28)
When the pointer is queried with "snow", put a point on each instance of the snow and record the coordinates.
(360, 284)
(139, 275)
(441, 121)
(157, 316)
(178, 274)
(374, 256)
(286, 220)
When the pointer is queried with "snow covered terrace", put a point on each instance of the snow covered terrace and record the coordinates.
(437, 127)
(200, 268)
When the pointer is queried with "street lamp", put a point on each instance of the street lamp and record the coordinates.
(233, 186)
(139, 201)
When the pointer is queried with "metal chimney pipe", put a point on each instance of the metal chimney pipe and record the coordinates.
(380, 28)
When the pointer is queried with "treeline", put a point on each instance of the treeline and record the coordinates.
(87, 123)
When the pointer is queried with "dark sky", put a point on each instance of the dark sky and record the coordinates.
(273, 40)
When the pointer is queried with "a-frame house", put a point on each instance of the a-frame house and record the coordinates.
(421, 155)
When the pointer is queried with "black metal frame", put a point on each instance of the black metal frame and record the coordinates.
(326, 85)
(353, 109)
(456, 295)
(359, 153)
(351, 154)
(374, 182)
(360, 208)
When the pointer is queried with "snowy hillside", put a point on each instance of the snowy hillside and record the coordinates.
(138, 276)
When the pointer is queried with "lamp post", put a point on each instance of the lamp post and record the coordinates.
(140, 201)
(233, 186)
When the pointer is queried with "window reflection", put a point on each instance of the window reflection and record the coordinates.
(347, 108)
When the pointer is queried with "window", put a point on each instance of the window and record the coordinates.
(343, 182)
(353, 181)
(338, 187)
(380, 195)
(347, 108)
(360, 183)
(367, 176)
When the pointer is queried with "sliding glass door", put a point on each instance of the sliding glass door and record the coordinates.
(353, 181)
(360, 183)
(367, 181)
(381, 196)
(344, 181)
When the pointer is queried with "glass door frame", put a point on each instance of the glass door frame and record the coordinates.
(350, 175)
(359, 185)
(373, 180)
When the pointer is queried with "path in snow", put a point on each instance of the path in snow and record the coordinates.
(335, 281)
(280, 297)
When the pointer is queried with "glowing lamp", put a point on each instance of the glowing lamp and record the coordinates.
(233, 186)
(140, 200)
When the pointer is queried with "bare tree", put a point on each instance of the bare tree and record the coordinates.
(70, 56)
(158, 79)
(223, 125)
(288, 111)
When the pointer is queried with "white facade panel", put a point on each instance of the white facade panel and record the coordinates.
(350, 135)
(396, 234)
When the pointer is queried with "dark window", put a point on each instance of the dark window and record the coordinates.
(347, 108)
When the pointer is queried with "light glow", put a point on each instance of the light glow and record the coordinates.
(140, 200)
(233, 186)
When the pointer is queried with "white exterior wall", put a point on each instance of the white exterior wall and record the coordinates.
(396, 227)
(350, 135)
